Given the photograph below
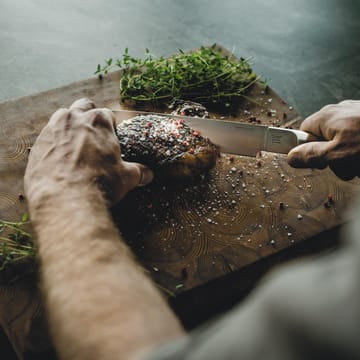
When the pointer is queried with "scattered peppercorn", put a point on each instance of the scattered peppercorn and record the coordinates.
(329, 201)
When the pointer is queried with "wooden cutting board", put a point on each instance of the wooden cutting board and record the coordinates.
(185, 234)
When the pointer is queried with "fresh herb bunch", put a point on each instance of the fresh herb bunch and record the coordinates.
(16, 244)
(17, 247)
(207, 76)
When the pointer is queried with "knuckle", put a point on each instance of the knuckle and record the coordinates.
(329, 108)
(349, 102)
(101, 119)
(83, 104)
(59, 114)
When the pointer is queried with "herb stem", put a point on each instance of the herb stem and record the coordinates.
(206, 74)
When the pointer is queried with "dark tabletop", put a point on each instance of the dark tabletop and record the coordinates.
(310, 50)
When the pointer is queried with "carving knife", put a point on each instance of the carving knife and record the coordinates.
(235, 137)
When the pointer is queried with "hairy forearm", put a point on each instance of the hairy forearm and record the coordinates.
(100, 303)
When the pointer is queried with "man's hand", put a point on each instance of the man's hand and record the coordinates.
(338, 129)
(100, 303)
(78, 148)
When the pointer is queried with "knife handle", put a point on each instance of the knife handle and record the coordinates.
(282, 140)
(302, 136)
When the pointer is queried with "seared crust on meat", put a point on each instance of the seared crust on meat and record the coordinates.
(167, 145)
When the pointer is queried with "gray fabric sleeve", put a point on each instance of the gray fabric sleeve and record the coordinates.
(307, 310)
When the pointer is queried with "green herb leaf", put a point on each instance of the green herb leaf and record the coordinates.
(207, 76)
(16, 243)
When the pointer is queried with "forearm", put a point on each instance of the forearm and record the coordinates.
(100, 303)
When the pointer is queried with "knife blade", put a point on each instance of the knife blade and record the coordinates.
(234, 137)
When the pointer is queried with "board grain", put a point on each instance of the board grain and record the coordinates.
(188, 233)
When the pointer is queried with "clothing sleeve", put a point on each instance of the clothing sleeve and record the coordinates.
(307, 310)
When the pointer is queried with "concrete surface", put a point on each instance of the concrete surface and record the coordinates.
(309, 49)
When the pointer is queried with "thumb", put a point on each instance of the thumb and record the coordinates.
(131, 175)
(311, 155)
(136, 174)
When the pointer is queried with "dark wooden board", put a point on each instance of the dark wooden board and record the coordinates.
(189, 234)
(186, 233)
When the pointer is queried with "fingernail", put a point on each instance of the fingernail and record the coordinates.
(146, 176)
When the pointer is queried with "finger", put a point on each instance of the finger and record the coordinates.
(59, 114)
(132, 175)
(135, 175)
(313, 155)
(82, 105)
(316, 124)
(101, 118)
(349, 102)
(312, 124)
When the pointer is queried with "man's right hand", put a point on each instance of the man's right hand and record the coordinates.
(338, 129)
